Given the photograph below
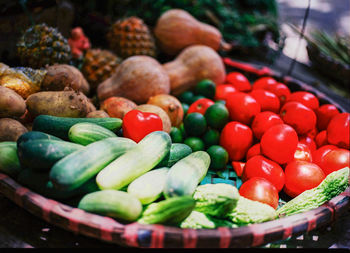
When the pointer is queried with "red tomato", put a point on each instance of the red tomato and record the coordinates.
(263, 121)
(279, 143)
(267, 100)
(242, 107)
(324, 115)
(300, 117)
(335, 160)
(338, 130)
(303, 153)
(201, 105)
(321, 139)
(280, 90)
(313, 133)
(318, 154)
(264, 82)
(301, 176)
(238, 167)
(259, 166)
(236, 138)
(253, 151)
(260, 189)
(223, 91)
(239, 81)
(306, 98)
(308, 141)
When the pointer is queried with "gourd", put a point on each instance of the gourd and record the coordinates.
(177, 29)
(192, 65)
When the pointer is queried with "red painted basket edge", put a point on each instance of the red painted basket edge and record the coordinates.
(159, 236)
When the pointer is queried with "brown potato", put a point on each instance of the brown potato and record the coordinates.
(59, 103)
(117, 107)
(11, 103)
(97, 114)
(160, 112)
(11, 129)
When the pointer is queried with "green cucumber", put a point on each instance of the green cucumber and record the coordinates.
(78, 167)
(176, 153)
(85, 133)
(112, 203)
(9, 163)
(186, 174)
(59, 126)
(42, 154)
(149, 187)
(35, 135)
(136, 162)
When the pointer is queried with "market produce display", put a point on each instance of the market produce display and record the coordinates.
(185, 143)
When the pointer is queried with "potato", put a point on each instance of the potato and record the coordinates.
(11, 103)
(160, 112)
(117, 107)
(11, 129)
(66, 103)
(97, 114)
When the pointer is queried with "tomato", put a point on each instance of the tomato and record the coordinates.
(308, 141)
(318, 154)
(260, 189)
(321, 139)
(338, 130)
(267, 100)
(335, 160)
(313, 133)
(201, 105)
(260, 166)
(223, 91)
(324, 115)
(280, 90)
(303, 153)
(238, 167)
(253, 151)
(264, 82)
(301, 176)
(236, 138)
(242, 107)
(239, 81)
(306, 98)
(279, 143)
(300, 117)
(263, 121)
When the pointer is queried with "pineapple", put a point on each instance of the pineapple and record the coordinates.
(131, 36)
(41, 45)
(99, 65)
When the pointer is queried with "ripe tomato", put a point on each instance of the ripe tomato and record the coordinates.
(301, 176)
(264, 82)
(253, 151)
(279, 143)
(300, 117)
(324, 115)
(260, 189)
(338, 130)
(306, 98)
(239, 81)
(260, 166)
(236, 138)
(267, 100)
(280, 90)
(308, 141)
(313, 133)
(263, 121)
(242, 107)
(335, 160)
(321, 138)
(201, 105)
(303, 153)
(318, 154)
(223, 91)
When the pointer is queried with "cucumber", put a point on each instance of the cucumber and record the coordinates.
(9, 162)
(186, 174)
(78, 167)
(35, 135)
(42, 154)
(136, 162)
(112, 203)
(149, 187)
(85, 133)
(177, 152)
(59, 126)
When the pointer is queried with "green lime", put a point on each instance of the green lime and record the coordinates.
(195, 98)
(185, 107)
(182, 130)
(195, 143)
(211, 137)
(186, 97)
(176, 135)
(206, 88)
(217, 115)
(195, 124)
(218, 157)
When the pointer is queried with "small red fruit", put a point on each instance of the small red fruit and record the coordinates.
(201, 105)
(267, 100)
(263, 121)
(338, 130)
(306, 98)
(324, 115)
(239, 81)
